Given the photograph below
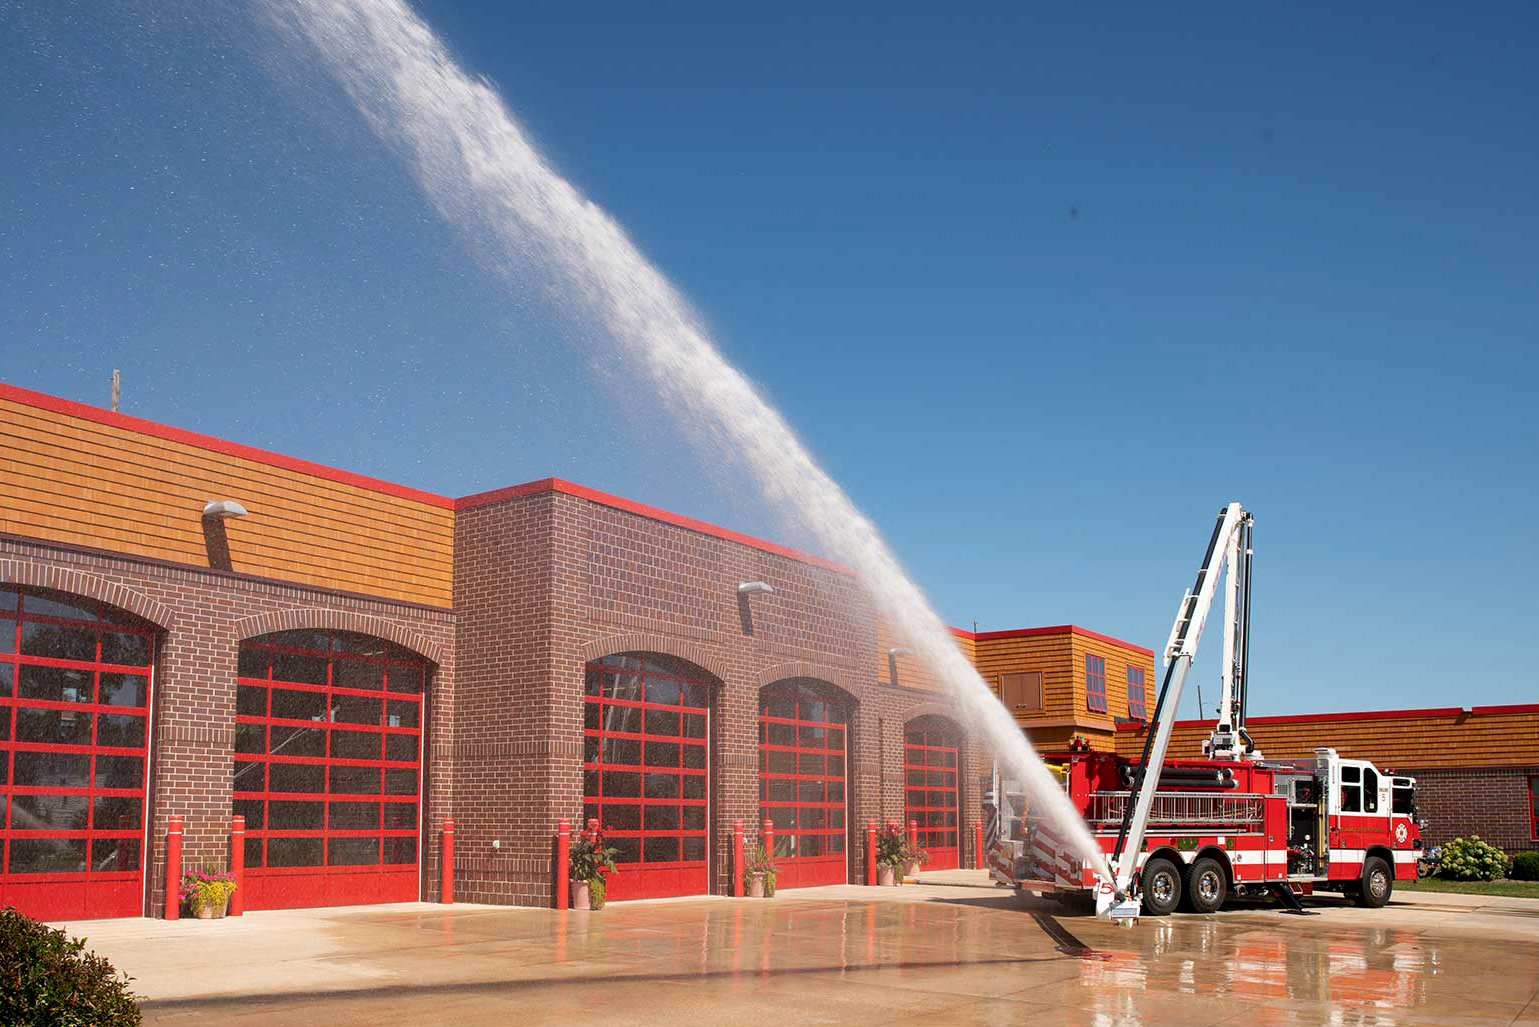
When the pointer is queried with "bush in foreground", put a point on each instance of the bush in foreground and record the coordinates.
(49, 980)
(1525, 866)
(1470, 859)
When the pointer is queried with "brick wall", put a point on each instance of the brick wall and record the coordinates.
(546, 582)
(1492, 802)
(202, 616)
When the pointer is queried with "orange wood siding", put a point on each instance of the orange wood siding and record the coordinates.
(74, 480)
(1445, 739)
(1051, 655)
(1118, 660)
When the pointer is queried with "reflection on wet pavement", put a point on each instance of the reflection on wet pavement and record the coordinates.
(838, 955)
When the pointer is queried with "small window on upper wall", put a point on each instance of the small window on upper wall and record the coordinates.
(1137, 704)
(1095, 684)
(1021, 691)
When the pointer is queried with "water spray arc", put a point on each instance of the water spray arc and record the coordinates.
(478, 167)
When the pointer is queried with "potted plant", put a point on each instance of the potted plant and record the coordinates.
(894, 854)
(759, 874)
(206, 892)
(590, 861)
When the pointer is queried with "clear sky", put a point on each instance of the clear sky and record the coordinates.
(1043, 287)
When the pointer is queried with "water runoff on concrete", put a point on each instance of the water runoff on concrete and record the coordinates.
(478, 167)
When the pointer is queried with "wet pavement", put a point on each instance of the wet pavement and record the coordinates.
(933, 954)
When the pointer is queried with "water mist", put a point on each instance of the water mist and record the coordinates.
(477, 166)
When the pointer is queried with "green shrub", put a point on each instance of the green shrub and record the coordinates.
(49, 980)
(1470, 859)
(1525, 866)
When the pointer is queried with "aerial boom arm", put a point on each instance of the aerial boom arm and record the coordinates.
(1180, 650)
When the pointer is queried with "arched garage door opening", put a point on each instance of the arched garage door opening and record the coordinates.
(328, 768)
(646, 771)
(75, 680)
(931, 750)
(803, 755)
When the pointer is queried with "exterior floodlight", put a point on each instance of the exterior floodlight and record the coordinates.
(219, 509)
(748, 587)
(900, 651)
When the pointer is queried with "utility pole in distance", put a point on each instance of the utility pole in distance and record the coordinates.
(117, 381)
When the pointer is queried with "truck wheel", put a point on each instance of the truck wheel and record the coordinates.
(1161, 887)
(1377, 883)
(1206, 886)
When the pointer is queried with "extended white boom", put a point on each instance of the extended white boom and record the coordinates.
(1231, 539)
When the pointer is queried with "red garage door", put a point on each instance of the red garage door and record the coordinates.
(930, 780)
(328, 768)
(646, 731)
(802, 747)
(74, 740)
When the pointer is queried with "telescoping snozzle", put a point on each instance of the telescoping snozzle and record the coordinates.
(1189, 833)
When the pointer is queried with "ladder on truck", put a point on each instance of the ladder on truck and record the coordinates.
(1230, 545)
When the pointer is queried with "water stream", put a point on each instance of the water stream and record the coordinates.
(477, 166)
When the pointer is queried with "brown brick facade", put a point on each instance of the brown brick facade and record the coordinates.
(546, 582)
(202, 616)
(1492, 802)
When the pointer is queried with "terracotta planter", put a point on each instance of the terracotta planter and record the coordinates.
(581, 898)
(884, 876)
(912, 870)
(756, 886)
(207, 912)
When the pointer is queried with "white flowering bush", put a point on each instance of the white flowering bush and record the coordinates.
(1470, 859)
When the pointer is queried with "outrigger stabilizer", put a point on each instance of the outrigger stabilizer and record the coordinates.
(1231, 543)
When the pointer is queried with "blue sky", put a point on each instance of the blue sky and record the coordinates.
(1043, 288)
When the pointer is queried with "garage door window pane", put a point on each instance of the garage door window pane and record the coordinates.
(47, 856)
(295, 852)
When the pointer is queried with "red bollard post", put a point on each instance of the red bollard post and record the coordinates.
(563, 862)
(737, 859)
(913, 834)
(446, 847)
(173, 868)
(978, 846)
(237, 864)
(871, 852)
(769, 839)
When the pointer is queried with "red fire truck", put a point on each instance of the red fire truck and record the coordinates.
(1198, 831)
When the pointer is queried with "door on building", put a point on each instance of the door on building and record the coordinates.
(930, 749)
(75, 679)
(803, 755)
(328, 768)
(646, 771)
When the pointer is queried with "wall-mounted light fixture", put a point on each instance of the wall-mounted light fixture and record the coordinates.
(900, 651)
(221, 508)
(744, 612)
(215, 513)
(892, 661)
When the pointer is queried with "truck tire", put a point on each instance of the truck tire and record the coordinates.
(1161, 887)
(1378, 883)
(1207, 886)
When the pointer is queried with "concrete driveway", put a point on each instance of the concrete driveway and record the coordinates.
(932, 954)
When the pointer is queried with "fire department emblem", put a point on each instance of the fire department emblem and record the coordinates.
(1400, 833)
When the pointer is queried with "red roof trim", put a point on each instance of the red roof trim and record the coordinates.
(1491, 711)
(1059, 629)
(41, 401)
(963, 634)
(1321, 718)
(649, 512)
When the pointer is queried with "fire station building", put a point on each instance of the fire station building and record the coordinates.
(197, 629)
